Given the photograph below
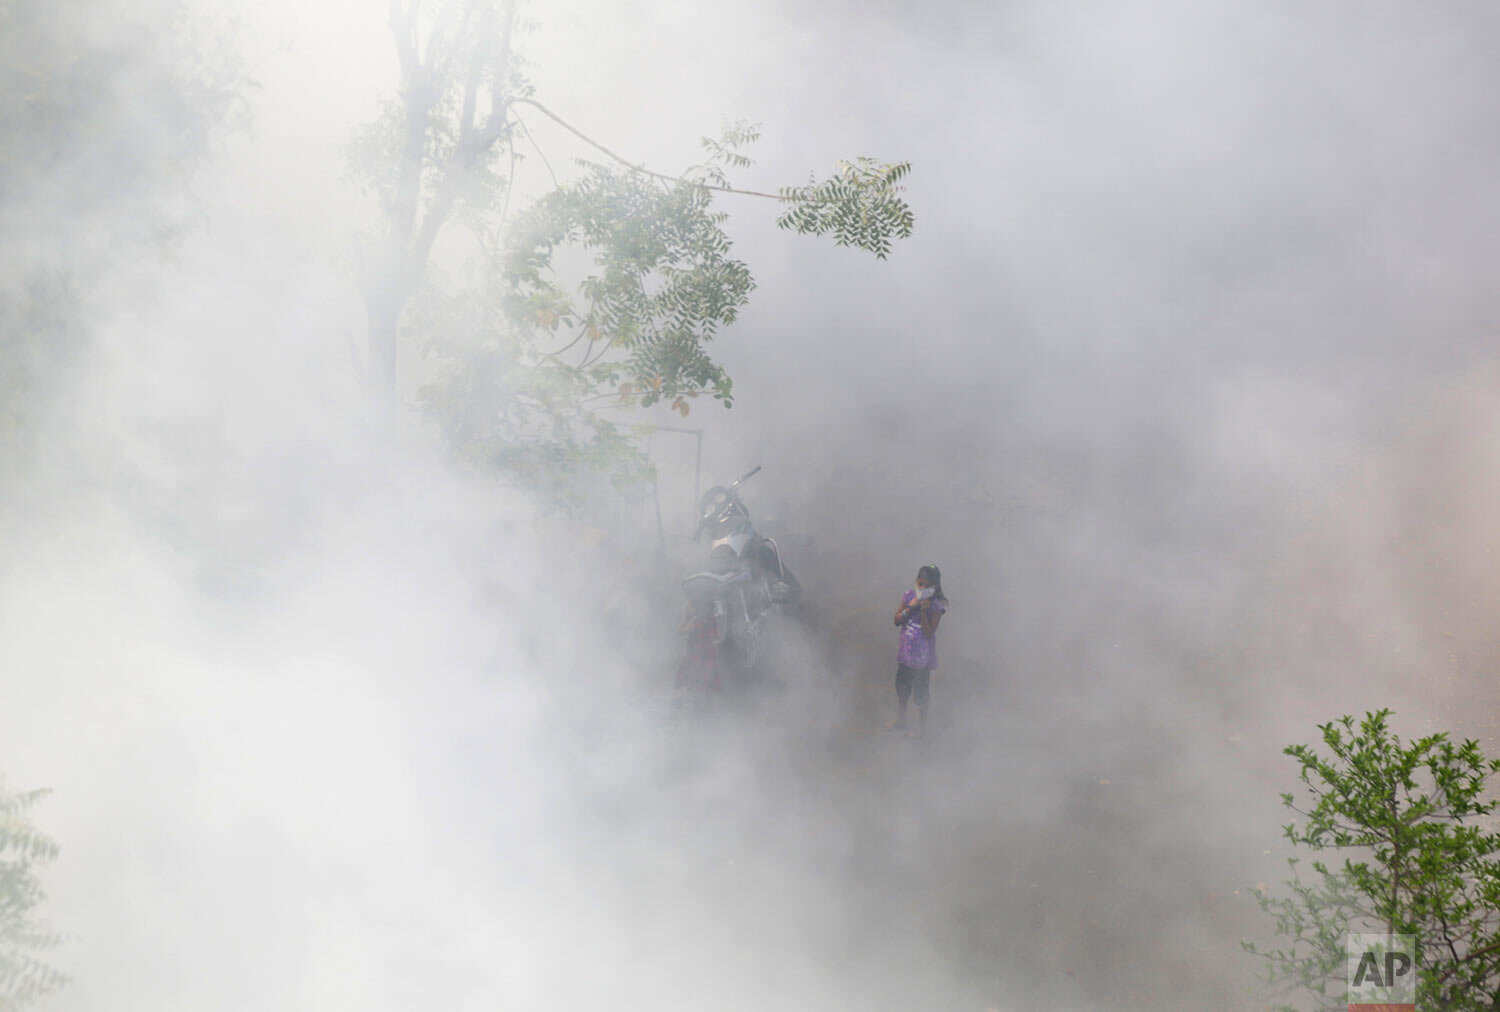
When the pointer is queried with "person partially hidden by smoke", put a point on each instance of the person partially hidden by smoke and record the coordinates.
(917, 617)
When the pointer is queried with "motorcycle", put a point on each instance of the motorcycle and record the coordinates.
(731, 600)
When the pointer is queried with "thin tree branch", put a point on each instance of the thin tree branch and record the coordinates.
(635, 166)
(612, 395)
(510, 185)
(1395, 865)
(540, 153)
(1468, 958)
(602, 351)
(553, 354)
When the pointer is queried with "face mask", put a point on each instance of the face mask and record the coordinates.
(923, 593)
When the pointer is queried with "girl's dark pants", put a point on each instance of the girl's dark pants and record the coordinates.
(912, 682)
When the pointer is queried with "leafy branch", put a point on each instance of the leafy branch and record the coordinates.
(532, 367)
(1410, 818)
(860, 204)
(24, 977)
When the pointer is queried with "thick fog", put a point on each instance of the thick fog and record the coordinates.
(1187, 380)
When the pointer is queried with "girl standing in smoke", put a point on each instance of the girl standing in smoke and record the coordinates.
(918, 615)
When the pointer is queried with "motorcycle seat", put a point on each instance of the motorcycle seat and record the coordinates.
(719, 578)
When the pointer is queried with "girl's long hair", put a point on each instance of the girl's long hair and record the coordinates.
(934, 575)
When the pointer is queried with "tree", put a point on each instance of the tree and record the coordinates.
(526, 359)
(1420, 860)
(24, 977)
(106, 111)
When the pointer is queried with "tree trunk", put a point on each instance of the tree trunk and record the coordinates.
(413, 227)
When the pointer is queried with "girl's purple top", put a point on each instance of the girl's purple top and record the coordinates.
(918, 650)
